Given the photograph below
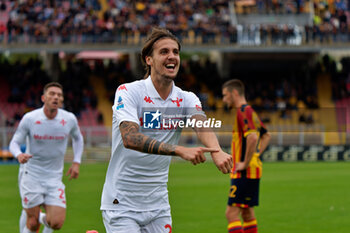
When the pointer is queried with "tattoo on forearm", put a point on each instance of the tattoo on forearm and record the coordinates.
(167, 148)
(136, 140)
(155, 147)
(147, 144)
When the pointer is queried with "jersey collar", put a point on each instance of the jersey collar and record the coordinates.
(57, 115)
(153, 93)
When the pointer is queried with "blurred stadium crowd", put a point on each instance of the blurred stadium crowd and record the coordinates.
(22, 82)
(193, 21)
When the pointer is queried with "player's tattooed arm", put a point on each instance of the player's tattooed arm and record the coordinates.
(131, 136)
(134, 139)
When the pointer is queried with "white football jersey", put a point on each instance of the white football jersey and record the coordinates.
(47, 141)
(138, 181)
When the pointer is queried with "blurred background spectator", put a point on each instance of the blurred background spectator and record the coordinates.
(247, 22)
(273, 91)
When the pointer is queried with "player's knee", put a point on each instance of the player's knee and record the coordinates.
(33, 223)
(248, 214)
(232, 214)
(55, 224)
(227, 214)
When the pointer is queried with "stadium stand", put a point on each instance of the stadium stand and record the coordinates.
(343, 116)
(21, 87)
(127, 22)
(307, 106)
(288, 104)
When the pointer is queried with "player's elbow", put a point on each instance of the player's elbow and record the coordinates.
(129, 142)
(126, 143)
(252, 138)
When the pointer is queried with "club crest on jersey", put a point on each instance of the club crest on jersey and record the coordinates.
(120, 103)
(63, 122)
(152, 119)
(177, 101)
(148, 100)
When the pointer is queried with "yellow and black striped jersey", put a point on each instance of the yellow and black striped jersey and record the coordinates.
(246, 122)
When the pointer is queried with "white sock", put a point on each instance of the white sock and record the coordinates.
(42, 220)
(47, 230)
(22, 221)
(26, 230)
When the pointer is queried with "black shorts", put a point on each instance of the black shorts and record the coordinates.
(244, 192)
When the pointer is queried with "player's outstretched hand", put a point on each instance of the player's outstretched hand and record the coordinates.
(194, 154)
(223, 161)
(73, 171)
(23, 158)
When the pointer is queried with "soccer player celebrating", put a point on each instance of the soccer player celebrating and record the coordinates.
(135, 195)
(40, 178)
(250, 139)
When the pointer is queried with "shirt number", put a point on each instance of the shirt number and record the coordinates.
(233, 190)
(61, 193)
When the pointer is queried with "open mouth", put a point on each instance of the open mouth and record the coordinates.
(170, 66)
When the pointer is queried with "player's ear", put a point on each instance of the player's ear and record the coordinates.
(43, 98)
(149, 60)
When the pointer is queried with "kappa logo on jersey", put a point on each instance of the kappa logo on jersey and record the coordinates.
(177, 101)
(38, 122)
(151, 120)
(63, 122)
(122, 87)
(199, 108)
(148, 100)
(120, 103)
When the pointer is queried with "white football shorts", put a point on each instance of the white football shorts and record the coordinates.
(118, 221)
(35, 191)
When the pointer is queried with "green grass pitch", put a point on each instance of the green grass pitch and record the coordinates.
(295, 197)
